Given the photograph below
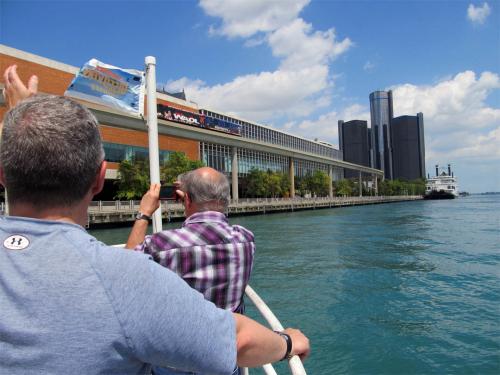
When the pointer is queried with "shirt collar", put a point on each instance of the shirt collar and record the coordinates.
(206, 216)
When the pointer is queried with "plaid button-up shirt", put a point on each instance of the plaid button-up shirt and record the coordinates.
(212, 256)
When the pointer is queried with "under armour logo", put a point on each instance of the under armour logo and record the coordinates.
(16, 242)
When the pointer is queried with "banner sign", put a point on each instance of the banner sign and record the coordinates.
(178, 115)
(108, 85)
(222, 125)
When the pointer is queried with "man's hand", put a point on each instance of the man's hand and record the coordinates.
(151, 200)
(149, 204)
(258, 345)
(300, 343)
(180, 194)
(15, 90)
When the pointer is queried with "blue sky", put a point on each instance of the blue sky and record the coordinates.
(300, 65)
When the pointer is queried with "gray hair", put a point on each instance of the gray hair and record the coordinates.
(50, 151)
(209, 192)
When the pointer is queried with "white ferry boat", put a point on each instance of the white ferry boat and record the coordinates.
(443, 186)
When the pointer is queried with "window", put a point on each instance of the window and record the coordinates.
(116, 153)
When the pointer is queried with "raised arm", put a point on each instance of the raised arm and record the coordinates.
(258, 345)
(149, 204)
(15, 90)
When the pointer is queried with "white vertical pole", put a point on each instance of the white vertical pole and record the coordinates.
(234, 173)
(152, 121)
(360, 185)
(330, 181)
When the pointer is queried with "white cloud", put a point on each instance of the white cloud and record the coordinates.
(182, 83)
(369, 66)
(261, 96)
(455, 104)
(478, 14)
(254, 42)
(484, 147)
(300, 47)
(244, 18)
(302, 82)
(325, 127)
(460, 127)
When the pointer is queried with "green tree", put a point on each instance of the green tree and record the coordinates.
(273, 184)
(177, 164)
(133, 179)
(398, 187)
(285, 184)
(318, 183)
(385, 188)
(344, 188)
(418, 187)
(301, 185)
(255, 183)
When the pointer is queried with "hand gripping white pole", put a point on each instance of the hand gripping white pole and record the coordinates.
(152, 121)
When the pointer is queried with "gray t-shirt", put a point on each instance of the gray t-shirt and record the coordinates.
(72, 305)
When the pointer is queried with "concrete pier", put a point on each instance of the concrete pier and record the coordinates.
(107, 212)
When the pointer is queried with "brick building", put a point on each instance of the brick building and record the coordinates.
(119, 143)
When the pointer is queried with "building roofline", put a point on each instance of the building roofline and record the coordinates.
(173, 99)
(6, 50)
(266, 126)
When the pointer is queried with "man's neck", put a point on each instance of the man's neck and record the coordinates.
(206, 214)
(76, 214)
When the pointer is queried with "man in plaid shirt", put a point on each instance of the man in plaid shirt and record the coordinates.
(212, 256)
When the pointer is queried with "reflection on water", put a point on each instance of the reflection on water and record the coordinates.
(402, 288)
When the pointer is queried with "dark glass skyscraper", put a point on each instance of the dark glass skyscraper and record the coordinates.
(354, 144)
(407, 133)
(381, 112)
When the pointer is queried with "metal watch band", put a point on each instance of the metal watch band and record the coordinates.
(141, 216)
(288, 340)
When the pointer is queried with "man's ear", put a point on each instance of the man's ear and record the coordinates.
(99, 179)
(187, 199)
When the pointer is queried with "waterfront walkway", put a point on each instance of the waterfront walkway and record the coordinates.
(101, 212)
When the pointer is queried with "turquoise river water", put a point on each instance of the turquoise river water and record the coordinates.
(400, 288)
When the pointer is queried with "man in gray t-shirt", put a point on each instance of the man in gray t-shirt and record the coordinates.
(70, 304)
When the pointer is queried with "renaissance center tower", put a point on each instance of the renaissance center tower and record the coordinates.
(381, 112)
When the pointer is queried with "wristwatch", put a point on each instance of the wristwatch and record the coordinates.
(288, 340)
(141, 216)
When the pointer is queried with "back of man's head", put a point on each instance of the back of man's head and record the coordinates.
(208, 189)
(50, 151)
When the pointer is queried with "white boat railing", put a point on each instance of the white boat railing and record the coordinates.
(295, 364)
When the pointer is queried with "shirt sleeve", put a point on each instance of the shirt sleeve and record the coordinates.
(144, 247)
(166, 322)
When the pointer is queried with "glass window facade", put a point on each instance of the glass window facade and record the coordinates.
(268, 135)
(116, 152)
(248, 159)
(219, 156)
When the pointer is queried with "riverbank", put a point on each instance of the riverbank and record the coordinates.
(122, 213)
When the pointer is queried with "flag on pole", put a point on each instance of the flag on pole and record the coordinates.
(108, 85)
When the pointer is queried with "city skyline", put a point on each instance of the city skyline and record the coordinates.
(300, 66)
